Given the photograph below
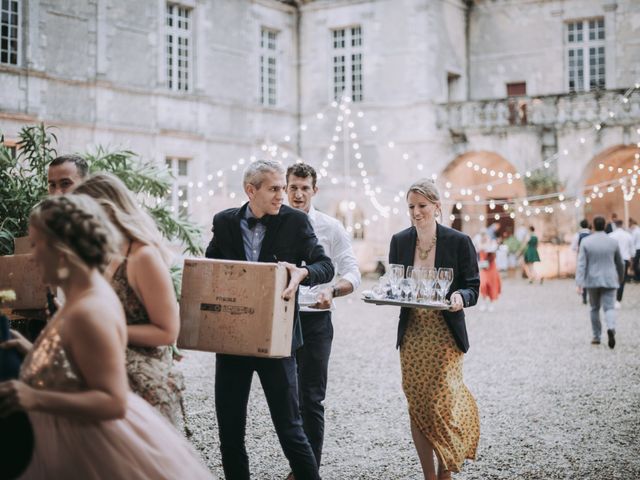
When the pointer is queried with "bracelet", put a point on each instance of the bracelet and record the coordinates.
(334, 291)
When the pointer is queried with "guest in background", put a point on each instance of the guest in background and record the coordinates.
(635, 234)
(611, 226)
(514, 246)
(490, 283)
(140, 276)
(531, 257)
(585, 230)
(627, 252)
(73, 382)
(493, 231)
(600, 270)
(444, 414)
(502, 253)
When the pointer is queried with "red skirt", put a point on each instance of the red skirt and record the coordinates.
(490, 283)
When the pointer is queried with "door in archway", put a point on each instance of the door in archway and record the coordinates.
(457, 220)
(505, 222)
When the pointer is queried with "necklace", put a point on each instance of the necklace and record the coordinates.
(423, 254)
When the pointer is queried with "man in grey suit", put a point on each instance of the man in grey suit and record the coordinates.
(600, 271)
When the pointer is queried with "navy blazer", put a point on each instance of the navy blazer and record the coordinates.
(289, 238)
(454, 249)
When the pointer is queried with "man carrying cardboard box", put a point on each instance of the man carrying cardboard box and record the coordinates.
(63, 174)
(317, 329)
(264, 230)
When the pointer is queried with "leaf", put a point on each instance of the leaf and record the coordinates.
(23, 183)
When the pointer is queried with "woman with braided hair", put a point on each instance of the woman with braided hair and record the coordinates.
(73, 383)
(139, 274)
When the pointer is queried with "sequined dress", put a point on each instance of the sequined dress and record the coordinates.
(142, 445)
(149, 369)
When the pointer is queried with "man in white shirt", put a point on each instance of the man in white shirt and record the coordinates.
(627, 252)
(635, 234)
(317, 329)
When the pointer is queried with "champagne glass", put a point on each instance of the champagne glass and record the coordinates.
(381, 289)
(445, 278)
(406, 288)
(428, 282)
(415, 274)
(396, 273)
(308, 295)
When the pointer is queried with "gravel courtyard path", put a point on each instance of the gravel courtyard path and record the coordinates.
(552, 406)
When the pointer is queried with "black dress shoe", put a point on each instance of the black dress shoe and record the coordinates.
(612, 338)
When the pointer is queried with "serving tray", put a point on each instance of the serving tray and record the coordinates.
(401, 303)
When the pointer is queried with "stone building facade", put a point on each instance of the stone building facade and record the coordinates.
(374, 93)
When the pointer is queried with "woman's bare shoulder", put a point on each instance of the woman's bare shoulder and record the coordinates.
(143, 255)
(99, 311)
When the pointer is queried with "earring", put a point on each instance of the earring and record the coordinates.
(63, 273)
(63, 270)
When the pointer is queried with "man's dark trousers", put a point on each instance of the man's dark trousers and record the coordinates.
(278, 379)
(313, 365)
(623, 281)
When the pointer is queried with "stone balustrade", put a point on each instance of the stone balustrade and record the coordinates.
(580, 109)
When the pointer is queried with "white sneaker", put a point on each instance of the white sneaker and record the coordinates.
(490, 308)
(483, 307)
(617, 305)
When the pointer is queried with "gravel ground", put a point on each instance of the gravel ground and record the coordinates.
(552, 406)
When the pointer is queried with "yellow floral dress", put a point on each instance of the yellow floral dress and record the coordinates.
(440, 404)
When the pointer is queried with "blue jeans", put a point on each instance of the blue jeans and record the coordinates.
(605, 297)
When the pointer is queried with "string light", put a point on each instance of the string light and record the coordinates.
(496, 176)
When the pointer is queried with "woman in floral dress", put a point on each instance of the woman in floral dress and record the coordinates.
(141, 279)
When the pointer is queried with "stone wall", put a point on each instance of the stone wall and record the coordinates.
(435, 74)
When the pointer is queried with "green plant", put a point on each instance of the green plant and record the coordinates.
(23, 182)
(542, 182)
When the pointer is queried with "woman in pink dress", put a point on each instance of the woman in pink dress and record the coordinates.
(73, 381)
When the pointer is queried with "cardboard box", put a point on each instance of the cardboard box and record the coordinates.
(235, 308)
(21, 245)
(21, 274)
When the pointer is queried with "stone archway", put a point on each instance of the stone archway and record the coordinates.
(473, 179)
(611, 164)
